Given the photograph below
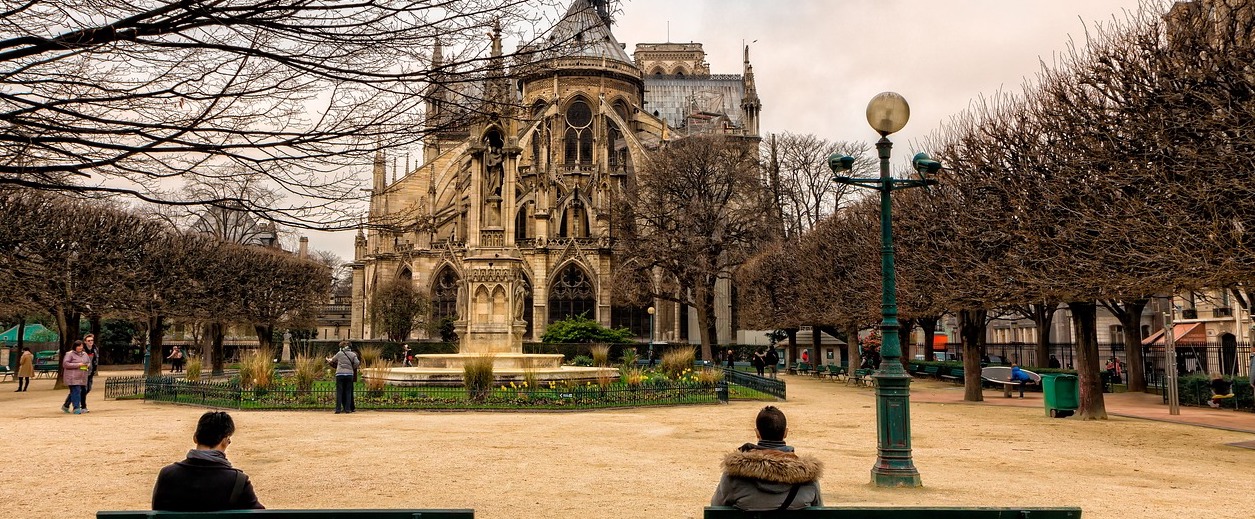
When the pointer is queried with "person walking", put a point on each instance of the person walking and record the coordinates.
(89, 347)
(345, 363)
(206, 481)
(759, 363)
(772, 359)
(731, 359)
(406, 357)
(75, 367)
(25, 369)
(176, 360)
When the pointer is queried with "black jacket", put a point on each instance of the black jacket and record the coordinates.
(202, 485)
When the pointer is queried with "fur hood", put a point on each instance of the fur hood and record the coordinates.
(773, 466)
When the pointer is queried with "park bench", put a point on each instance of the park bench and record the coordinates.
(803, 368)
(5, 373)
(905, 512)
(955, 375)
(862, 377)
(46, 364)
(932, 371)
(836, 372)
(296, 514)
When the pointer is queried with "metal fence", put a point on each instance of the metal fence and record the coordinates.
(1226, 358)
(322, 396)
(770, 386)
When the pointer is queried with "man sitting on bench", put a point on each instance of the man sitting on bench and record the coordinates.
(768, 475)
(1019, 376)
(205, 481)
(1220, 390)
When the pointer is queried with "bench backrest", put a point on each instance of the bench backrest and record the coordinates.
(850, 512)
(932, 370)
(297, 514)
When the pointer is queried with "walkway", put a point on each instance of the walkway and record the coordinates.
(1132, 405)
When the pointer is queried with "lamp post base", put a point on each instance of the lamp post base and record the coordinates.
(894, 467)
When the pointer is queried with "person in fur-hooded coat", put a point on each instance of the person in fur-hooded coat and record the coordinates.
(769, 475)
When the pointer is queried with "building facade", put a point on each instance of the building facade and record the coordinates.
(506, 222)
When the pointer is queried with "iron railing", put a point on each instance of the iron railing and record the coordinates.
(771, 386)
(322, 395)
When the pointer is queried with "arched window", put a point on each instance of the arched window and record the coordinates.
(579, 134)
(574, 222)
(444, 295)
(405, 274)
(522, 223)
(572, 294)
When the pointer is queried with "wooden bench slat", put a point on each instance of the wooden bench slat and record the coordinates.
(453, 513)
(844, 512)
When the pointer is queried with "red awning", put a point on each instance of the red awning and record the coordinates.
(1184, 332)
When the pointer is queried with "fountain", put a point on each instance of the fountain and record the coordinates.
(491, 303)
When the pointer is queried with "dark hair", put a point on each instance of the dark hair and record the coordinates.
(213, 427)
(89, 336)
(771, 423)
(26, 348)
(77, 344)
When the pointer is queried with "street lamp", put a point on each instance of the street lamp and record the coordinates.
(651, 312)
(887, 113)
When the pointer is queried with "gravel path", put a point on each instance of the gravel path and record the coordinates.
(644, 463)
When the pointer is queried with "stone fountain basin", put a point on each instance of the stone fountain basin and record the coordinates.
(500, 361)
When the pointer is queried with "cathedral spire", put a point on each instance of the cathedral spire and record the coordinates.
(750, 104)
(497, 85)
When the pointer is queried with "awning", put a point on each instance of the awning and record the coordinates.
(1181, 333)
(34, 332)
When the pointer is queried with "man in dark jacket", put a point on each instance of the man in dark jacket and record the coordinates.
(768, 475)
(205, 481)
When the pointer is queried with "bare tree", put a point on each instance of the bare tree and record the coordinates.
(693, 216)
(119, 97)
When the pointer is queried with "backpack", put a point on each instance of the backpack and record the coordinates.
(772, 357)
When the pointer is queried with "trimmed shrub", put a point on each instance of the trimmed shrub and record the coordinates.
(192, 369)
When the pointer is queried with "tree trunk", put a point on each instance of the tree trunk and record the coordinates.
(929, 325)
(905, 341)
(971, 327)
(851, 346)
(154, 345)
(791, 333)
(67, 325)
(705, 299)
(218, 356)
(1084, 316)
(1043, 316)
(1129, 312)
(16, 354)
(265, 334)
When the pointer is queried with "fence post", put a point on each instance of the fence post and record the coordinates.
(721, 391)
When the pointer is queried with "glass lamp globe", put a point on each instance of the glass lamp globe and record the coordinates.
(888, 112)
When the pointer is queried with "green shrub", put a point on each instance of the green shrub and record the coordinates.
(676, 361)
(629, 357)
(581, 360)
(306, 370)
(477, 376)
(257, 369)
(581, 329)
(192, 369)
(601, 355)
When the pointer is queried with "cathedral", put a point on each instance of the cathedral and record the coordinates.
(510, 211)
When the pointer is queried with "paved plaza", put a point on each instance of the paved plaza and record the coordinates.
(655, 462)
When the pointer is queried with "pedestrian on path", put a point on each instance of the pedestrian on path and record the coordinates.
(25, 369)
(76, 366)
(345, 363)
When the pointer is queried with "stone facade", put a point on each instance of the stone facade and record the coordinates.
(507, 221)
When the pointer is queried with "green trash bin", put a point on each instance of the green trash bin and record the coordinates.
(1062, 396)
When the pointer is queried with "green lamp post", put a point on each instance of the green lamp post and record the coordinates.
(887, 113)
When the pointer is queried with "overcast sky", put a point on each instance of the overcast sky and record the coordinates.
(818, 62)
